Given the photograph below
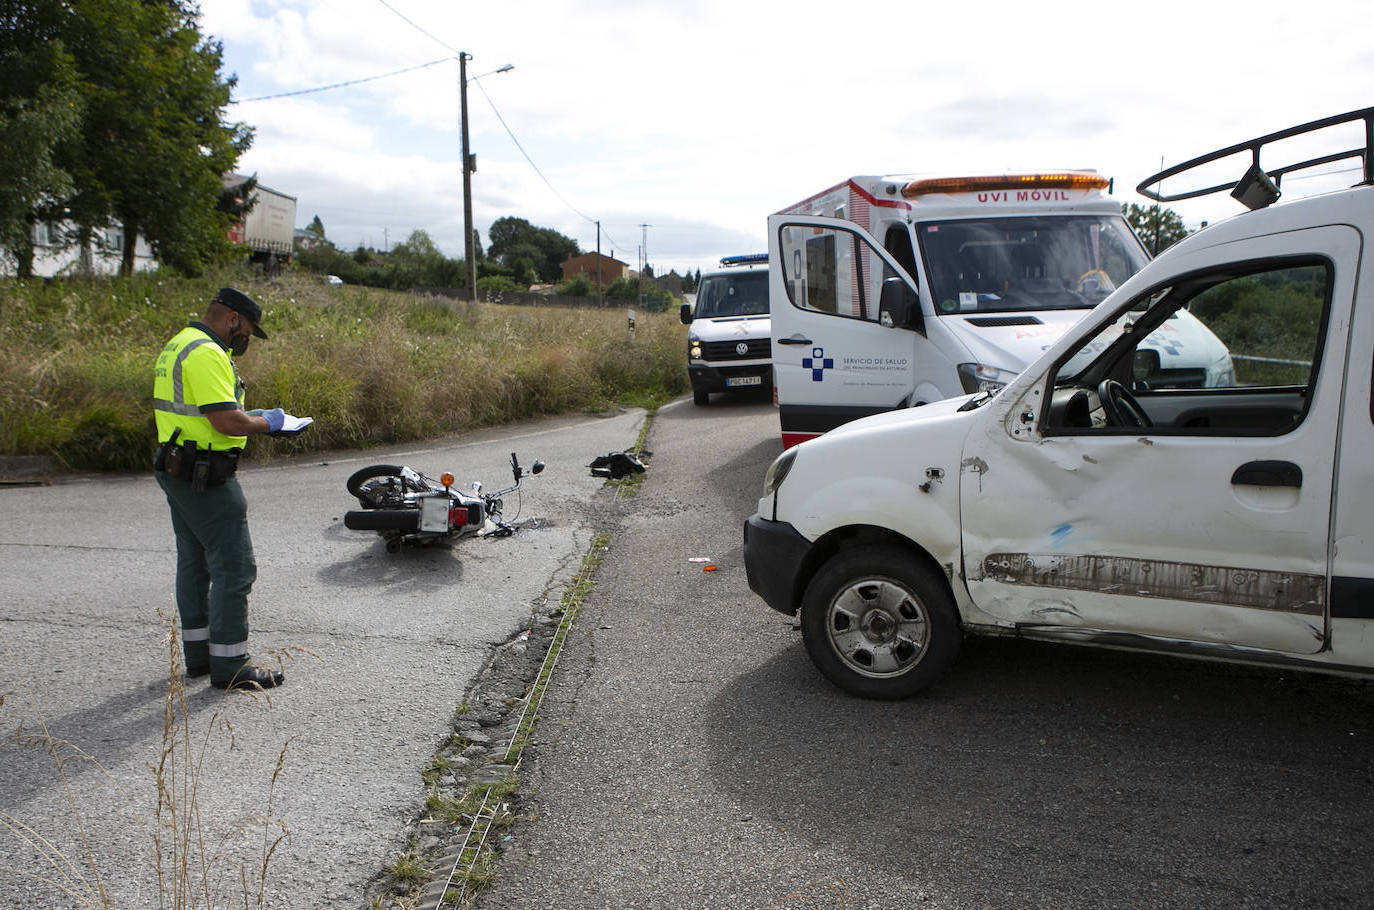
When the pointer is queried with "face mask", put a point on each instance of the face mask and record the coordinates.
(238, 343)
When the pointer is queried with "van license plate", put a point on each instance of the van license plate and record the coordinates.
(744, 380)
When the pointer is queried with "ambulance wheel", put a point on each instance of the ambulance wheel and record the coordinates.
(879, 624)
(701, 397)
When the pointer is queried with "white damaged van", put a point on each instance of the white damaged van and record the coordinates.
(1088, 500)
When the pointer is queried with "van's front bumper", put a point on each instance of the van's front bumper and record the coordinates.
(710, 378)
(773, 555)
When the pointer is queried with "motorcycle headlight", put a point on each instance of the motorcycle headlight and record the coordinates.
(777, 472)
(978, 377)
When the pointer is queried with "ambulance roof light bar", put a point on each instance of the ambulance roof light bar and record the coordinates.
(1060, 180)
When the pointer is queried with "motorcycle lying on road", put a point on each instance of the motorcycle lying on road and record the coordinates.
(407, 507)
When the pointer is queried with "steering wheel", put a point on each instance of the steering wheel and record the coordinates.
(1120, 406)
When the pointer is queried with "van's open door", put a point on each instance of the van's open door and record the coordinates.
(845, 321)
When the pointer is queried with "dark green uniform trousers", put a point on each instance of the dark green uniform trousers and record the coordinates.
(215, 572)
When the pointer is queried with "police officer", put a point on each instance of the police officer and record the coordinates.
(202, 428)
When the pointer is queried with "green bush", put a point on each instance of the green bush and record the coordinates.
(497, 284)
(577, 286)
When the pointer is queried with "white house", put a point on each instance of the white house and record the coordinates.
(56, 254)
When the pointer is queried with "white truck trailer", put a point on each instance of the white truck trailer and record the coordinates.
(268, 229)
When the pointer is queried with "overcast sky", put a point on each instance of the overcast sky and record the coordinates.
(699, 119)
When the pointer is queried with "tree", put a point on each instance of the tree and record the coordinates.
(316, 227)
(418, 261)
(1157, 227)
(153, 142)
(519, 245)
(40, 108)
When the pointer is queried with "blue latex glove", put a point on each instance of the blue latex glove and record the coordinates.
(275, 418)
(255, 412)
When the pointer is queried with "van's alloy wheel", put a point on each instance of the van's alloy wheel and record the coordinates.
(878, 623)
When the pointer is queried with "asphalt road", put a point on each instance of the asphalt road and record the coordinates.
(689, 756)
(381, 651)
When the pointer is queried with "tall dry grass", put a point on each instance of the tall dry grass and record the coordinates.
(371, 366)
(194, 868)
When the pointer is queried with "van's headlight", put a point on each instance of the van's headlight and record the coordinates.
(777, 472)
(977, 377)
(693, 347)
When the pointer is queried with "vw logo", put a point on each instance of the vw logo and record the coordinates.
(741, 349)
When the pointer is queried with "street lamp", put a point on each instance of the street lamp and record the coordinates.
(469, 165)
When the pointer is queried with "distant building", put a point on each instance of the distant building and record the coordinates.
(307, 240)
(56, 252)
(586, 264)
(671, 282)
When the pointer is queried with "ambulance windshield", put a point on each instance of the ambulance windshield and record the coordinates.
(745, 294)
(1049, 262)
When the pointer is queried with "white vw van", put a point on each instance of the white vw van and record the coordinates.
(728, 345)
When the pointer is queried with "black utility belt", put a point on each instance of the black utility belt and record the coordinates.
(200, 467)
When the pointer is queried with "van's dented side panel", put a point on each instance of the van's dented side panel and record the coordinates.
(1147, 533)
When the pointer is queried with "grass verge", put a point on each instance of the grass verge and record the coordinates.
(372, 367)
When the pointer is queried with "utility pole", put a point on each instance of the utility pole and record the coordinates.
(469, 165)
(644, 258)
(463, 59)
(600, 301)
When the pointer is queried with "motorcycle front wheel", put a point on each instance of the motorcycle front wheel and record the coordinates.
(379, 486)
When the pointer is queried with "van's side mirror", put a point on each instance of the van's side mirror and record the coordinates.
(1144, 366)
(898, 306)
(685, 313)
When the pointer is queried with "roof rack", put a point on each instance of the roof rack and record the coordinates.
(1257, 187)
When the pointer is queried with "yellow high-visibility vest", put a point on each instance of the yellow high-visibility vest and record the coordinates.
(193, 376)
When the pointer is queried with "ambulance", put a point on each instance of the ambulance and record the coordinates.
(890, 292)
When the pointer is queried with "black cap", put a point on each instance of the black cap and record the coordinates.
(244, 305)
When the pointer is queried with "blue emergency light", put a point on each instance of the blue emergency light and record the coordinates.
(750, 259)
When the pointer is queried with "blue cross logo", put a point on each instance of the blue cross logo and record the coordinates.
(818, 363)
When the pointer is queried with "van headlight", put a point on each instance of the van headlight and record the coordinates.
(978, 377)
(777, 472)
(693, 347)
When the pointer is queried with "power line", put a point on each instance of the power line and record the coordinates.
(492, 104)
(325, 88)
(494, 110)
(547, 183)
(418, 29)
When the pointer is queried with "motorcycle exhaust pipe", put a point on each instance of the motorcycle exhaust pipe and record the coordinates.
(382, 520)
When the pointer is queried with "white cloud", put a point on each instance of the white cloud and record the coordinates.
(701, 119)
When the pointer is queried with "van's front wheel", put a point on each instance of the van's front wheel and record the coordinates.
(700, 397)
(878, 624)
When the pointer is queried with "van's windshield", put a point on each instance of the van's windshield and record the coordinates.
(1034, 263)
(745, 294)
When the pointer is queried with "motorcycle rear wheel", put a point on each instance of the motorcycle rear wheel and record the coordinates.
(379, 486)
